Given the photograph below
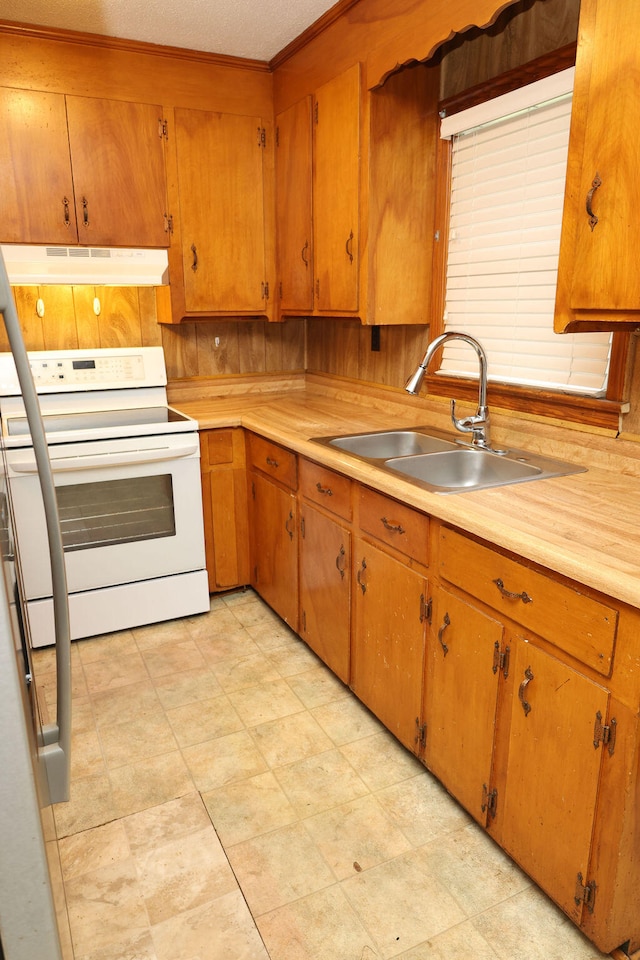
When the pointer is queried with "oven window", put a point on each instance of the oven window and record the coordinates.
(116, 511)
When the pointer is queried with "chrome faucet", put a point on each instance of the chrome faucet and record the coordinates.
(478, 424)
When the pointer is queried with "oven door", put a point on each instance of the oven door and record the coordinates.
(130, 510)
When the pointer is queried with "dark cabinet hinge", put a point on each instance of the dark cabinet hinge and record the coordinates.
(501, 659)
(280, 289)
(315, 112)
(304, 621)
(302, 528)
(277, 136)
(262, 137)
(265, 289)
(163, 129)
(585, 893)
(253, 489)
(168, 223)
(425, 609)
(421, 734)
(489, 801)
(605, 735)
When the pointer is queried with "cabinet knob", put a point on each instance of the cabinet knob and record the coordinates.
(85, 211)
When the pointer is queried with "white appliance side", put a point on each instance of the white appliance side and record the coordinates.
(27, 911)
(122, 607)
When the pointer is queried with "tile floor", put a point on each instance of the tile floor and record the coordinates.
(232, 800)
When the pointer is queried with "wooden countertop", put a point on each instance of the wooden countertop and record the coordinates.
(585, 526)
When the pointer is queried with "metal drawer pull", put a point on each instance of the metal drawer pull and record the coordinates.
(512, 596)
(272, 463)
(392, 527)
(286, 525)
(528, 677)
(303, 253)
(85, 211)
(360, 576)
(597, 182)
(349, 247)
(341, 562)
(327, 491)
(67, 218)
(194, 251)
(445, 624)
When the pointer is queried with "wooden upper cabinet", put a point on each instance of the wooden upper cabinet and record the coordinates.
(222, 220)
(294, 207)
(598, 278)
(81, 170)
(117, 157)
(336, 193)
(35, 169)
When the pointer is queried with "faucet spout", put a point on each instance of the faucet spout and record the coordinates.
(477, 424)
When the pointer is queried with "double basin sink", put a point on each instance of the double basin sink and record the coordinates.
(437, 463)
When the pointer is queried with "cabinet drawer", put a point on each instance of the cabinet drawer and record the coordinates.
(395, 524)
(274, 460)
(583, 627)
(327, 488)
(216, 447)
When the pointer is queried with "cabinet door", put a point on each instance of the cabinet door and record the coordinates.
(293, 207)
(274, 547)
(552, 772)
(389, 641)
(220, 179)
(35, 169)
(461, 692)
(325, 589)
(224, 499)
(335, 192)
(117, 155)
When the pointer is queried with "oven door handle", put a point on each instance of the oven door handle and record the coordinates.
(95, 461)
(55, 752)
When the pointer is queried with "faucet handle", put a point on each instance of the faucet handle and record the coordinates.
(478, 425)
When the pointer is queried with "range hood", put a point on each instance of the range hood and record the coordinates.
(81, 265)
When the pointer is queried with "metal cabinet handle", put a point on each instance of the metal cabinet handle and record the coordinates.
(272, 463)
(392, 527)
(522, 690)
(362, 583)
(597, 182)
(341, 561)
(304, 253)
(326, 491)
(349, 247)
(445, 623)
(194, 251)
(85, 211)
(67, 215)
(512, 596)
(288, 528)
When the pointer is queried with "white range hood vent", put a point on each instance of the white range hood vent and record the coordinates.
(80, 265)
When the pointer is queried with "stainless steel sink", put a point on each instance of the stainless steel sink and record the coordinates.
(392, 443)
(429, 459)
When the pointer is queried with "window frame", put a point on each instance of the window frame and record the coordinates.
(601, 412)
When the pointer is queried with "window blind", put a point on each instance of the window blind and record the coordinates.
(507, 192)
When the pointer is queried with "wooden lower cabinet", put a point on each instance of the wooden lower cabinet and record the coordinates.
(224, 502)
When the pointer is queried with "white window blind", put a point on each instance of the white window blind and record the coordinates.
(507, 191)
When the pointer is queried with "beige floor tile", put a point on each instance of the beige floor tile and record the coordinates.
(242, 672)
(293, 659)
(86, 754)
(220, 930)
(322, 926)
(254, 612)
(232, 643)
(157, 634)
(347, 720)
(94, 849)
(462, 941)
(319, 783)
(114, 672)
(171, 658)
(317, 687)
(137, 739)
(149, 783)
(183, 873)
(223, 760)
(381, 761)
(105, 906)
(91, 803)
(126, 703)
(422, 809)
(82, 715)
(272, 636)
(356, 836)
(241, 811)
(290, 739)
(530, 927)
(137, 946)
(204, 720)
(278, 867)
(168, 821)
(209, 626)
(106, 646)
(401, 904)
(473, 869)
(188, 686)
(267, 701)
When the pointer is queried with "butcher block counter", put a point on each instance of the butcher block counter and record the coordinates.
(585, 526)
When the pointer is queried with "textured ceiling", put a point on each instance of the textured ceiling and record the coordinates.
(256, 29)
